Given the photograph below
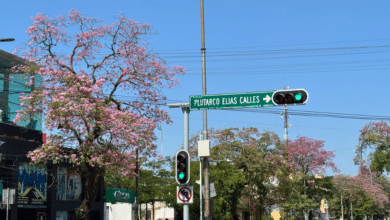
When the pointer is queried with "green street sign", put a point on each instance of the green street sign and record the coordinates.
(119, 195)
(233, 100)
(1, 188)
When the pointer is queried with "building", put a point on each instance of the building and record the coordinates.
(160, 211)
(51, 191)
(118, 204)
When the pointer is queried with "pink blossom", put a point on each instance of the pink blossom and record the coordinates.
(75, 90)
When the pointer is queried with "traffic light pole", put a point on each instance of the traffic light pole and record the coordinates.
(186, 112)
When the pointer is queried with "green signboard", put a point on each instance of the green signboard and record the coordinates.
(119, 195)
(233, 100)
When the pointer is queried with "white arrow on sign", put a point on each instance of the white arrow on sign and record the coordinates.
(267, 98)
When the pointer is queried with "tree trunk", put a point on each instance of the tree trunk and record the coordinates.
(259, 214)
(93, 177)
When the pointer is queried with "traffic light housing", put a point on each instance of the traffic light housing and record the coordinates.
(182, 167)
(290, 97)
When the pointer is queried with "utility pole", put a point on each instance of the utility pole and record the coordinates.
(206, 164)
(285, 121)
(200, 184)
(136, 187)
(351, 212)
(327, 210)
(342, 212)
(285, 124)
(7, 201)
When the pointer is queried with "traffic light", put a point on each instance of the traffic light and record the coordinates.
(182, 167)
(290, 97)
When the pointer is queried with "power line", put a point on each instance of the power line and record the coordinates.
(370, 61)
(279, 53)
(285, 45)
(264, 110)
(275, 51)
(296, 71)
(318, 114)
(295, 112)
(284, 57)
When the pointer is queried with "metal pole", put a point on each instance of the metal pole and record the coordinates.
(200, 186)
(203, 52)
(342, 212)
(7, 201)
(136, 213)
(327, 212)
(200, 183)
(186, 111)
(351, 212)
(285, 125)
(204, 92)
(304, 185)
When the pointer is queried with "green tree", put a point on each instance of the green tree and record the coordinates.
(375, 136)
(255, 162)
(307, 158)
(229, 183)
(366, 195)
(153, 180)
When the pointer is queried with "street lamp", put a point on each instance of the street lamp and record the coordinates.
(227, 160)
(6, 39)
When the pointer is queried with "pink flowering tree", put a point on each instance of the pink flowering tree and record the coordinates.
(83, 64)
(375, 137)
(308, 156)
(367, 196)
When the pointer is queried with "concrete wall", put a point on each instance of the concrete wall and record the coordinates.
(162, 211)
(118, 211)
(123, 211)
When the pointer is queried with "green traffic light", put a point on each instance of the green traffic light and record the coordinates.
(298, 97)
(181, 175)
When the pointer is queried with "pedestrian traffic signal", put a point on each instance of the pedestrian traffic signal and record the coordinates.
(182, 167)
(290, 97)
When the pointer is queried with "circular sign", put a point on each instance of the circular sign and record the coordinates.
(184, 194)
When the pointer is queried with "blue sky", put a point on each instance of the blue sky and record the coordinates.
(337, 50)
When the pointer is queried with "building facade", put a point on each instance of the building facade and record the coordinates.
(50, 191)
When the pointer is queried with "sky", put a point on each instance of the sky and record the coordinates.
(337, 50)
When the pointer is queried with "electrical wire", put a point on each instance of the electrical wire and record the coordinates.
(127, 98)
(284, 45)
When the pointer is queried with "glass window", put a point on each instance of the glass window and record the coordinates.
(61, 177)
(61, 215)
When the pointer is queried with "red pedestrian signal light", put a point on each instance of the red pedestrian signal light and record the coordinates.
(290, 97)
(182, 167)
